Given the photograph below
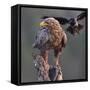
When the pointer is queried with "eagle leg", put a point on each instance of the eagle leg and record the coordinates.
(44, 54)
(57, 53)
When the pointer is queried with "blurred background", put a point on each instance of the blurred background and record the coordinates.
(73, 56)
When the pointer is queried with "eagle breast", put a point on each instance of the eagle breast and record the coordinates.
(50, 35)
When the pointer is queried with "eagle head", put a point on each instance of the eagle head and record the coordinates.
(50, 35)
(51, 23)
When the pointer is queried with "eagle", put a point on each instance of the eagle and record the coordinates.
(74, 27)
(50, 36)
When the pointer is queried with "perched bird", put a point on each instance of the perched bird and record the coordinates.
(74, 25)
(50, 36)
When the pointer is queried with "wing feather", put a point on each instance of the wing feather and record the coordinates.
(41, 38)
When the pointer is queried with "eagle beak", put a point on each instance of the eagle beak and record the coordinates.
(43, 23)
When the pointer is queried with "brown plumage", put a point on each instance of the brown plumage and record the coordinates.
(57, 35)
(74, 25)
(55, 38)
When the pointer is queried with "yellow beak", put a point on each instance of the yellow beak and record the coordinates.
(43, 23)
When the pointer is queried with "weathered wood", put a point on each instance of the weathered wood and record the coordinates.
(45, 71)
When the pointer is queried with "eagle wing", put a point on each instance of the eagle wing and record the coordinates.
(81, 16)
(41, 38)
(62, 20)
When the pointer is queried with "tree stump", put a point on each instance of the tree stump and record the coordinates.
(45, 71)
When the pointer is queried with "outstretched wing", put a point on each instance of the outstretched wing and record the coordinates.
(75, 26)
(61, 20)
(81, 16)
(74, 29)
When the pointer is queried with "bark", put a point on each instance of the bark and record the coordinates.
(45, 71)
